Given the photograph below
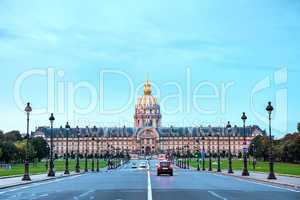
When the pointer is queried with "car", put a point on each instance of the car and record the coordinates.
(143, 165)
(148, 157)
(164, 167)
(162, 156)
(134, 165)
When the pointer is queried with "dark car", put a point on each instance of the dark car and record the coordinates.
(164, 167)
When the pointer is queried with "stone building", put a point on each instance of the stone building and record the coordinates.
(148, 136)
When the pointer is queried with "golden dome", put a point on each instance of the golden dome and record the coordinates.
(147, 98)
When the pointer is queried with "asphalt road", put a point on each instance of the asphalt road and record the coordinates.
(142, 184)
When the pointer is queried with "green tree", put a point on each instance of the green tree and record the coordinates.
(291, 147)
(41, 147)
(298, 127)
(12, 136)
(259, 147)
(9, 152)
(21, 147)
(1, 135)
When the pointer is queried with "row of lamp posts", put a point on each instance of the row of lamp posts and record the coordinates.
(51, 172)
(182, 162)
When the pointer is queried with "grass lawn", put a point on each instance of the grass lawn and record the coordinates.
(18, 169)
(280, 168)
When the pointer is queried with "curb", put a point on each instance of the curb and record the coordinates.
(18, 175)
(38, 181)
(296, 187)
(42, 180)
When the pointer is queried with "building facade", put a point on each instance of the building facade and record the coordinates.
(148, 136)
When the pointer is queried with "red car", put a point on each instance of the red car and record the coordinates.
(164, 167)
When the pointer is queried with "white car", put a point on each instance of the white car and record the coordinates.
(143, 165)
(133, 165)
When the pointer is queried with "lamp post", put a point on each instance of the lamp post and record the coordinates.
(198, 159)
(187, 157)
(51, 172)
(93, 154)
(26, 176)
(98, 153)
(184, 157)
(182, 151)
(209, 151)
(77, 157)
(67, 149)
(86, 152)
(118, 156)
(218, 143)
(198, 155)
(203, 154)
(228, 127)
(245, 168)
(269, 109)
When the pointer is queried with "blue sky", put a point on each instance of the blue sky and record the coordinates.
(236, 43)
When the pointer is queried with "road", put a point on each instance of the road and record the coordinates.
(142, 184)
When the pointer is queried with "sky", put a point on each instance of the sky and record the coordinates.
(208, 61)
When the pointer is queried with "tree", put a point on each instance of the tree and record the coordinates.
(21, 147)
(240, 155)
(12, 136)
(259, 147)
(291, 147)
(298, 127)
(9, 152)
(41, 147)
(1, 135)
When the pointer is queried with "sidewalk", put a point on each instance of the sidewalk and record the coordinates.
(16, 181)
(281, 180)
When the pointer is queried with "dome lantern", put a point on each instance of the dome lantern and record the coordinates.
(147, 88)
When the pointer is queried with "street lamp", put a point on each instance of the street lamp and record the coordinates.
(218, 150)
(77, 158)
(67, 149)
(245, 169)
(51, 171)
(203, 154)
(198, 154)
(93, 155)
(86, 151)
(228, 127)
(209, 151)
(98, 153)
(269, 109)
(198, 159)
(186, 157)
(26, 176)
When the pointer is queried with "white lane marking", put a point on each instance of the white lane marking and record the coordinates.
(256, 182)
(83, 194)
(216, 195)
(43, 195)
(149, 185)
